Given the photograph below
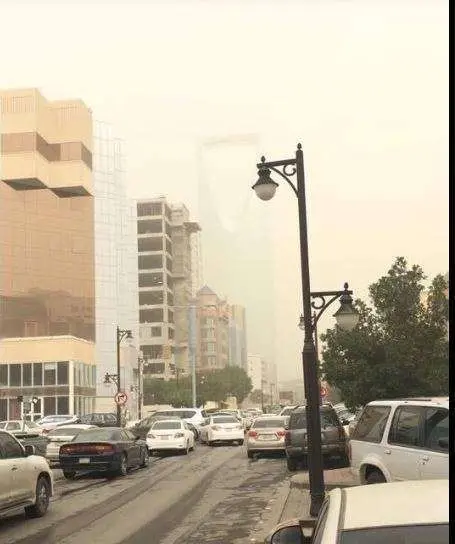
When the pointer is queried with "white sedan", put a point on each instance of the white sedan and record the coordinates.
(414, 511)
(60, 435)
(170, 435)
(25, 479)
(222, 429)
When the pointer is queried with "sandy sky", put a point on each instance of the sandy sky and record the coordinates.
(199, 90)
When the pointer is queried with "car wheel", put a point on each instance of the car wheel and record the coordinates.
(144, 459)
(69, 474)
(291, 464)
(250, 454)
(123, 468)
(375, 477)
(41, 505)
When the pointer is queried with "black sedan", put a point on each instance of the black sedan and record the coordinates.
(107, 449)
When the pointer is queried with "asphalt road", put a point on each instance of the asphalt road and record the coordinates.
(212, 496)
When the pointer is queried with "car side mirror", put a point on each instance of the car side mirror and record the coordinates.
(443, 443)
(290, 535)
(29, 450)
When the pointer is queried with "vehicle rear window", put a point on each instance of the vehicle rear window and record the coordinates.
(167, 425)
(408, 534)
(329, 418)
(226, 419)
(65, 431)
(371, 424)
(93, 435)
(268, 423)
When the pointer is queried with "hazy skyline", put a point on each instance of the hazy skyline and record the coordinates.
(362, 84)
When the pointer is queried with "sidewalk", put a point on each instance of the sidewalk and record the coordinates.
(339, 477)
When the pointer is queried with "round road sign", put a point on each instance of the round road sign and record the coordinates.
(323, 391)
(121, 398)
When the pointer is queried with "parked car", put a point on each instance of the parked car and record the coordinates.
(221, 429)
(170, 435)
(25, 479)
(14, 426)
(142, 428)
(61, 435)
(401, 440)
(190, 415)
(104, 419)
(411, 512)
(48, 423)
(107, 449)
(193, 429)
(333, 437)
(266, 434)
(287, 410)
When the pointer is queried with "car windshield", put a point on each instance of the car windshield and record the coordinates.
(268, 423)
(161, 425)
(66, 430)
(409, 534)
(95, 435)
(225, 419)
(184, 414)
(55, 419)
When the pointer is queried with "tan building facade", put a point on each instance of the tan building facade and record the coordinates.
(213, 316)
(47, 273)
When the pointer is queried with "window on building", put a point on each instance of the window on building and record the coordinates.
(63, 373)
(150, 244)
(170, 316)
(31, 328)
(15, 378)
(210, 347)
(3, 376)
(3, 409)
(169, 280)
(148, 262)
(151, 279)
(171, 333)
(211, 360)
(151, 316)
(50, 373)
(27, 374)
(168, 247)
(169, 264)
(154, 368)
(170, 299)
(63, 405)
(49, 406)
(150, 298)
(156, 331)
(149, 208)
(152, 352)
(168, 229)
(37, 373)
(150, 226)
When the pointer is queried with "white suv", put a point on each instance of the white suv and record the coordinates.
(195, 416)
(25, 479)
(401, 440)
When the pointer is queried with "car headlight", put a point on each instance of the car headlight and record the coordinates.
(179, 435)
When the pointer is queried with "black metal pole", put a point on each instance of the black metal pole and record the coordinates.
(309, 357)
(119, 410)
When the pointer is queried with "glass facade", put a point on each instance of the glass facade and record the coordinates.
(116, 266)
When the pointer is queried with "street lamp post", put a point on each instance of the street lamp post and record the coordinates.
(108, 378)
(347, 316)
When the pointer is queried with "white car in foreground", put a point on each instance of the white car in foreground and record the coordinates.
(412, 512)
(26, 480)
(170, 435)
(222, 429)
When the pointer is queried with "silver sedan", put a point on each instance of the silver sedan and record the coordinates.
(266, 434)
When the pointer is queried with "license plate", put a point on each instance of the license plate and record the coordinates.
(267, 437)
(84, 460)
(164, 438)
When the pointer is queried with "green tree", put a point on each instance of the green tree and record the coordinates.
(399, 348)
(230, 381)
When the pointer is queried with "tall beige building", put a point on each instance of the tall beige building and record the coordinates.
(213, 316)
(47, 273)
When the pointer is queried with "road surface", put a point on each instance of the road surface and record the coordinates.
(212, 496)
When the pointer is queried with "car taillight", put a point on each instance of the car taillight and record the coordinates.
(179, 435)
(252, 433)
(87, 448)
(281, 433)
